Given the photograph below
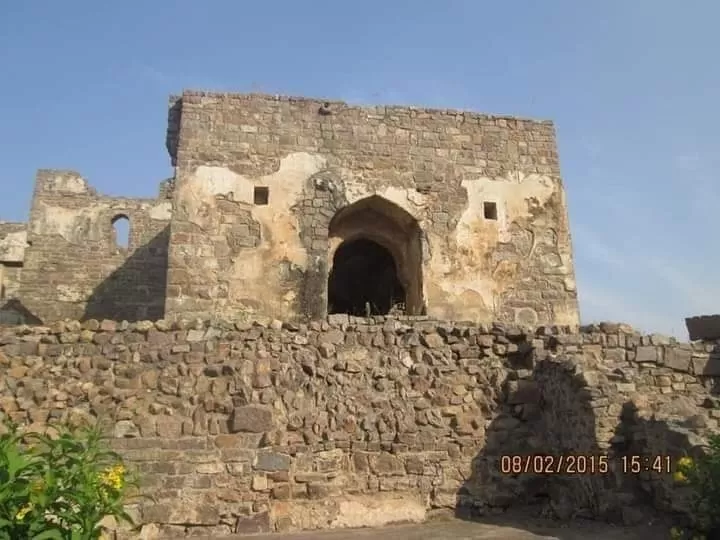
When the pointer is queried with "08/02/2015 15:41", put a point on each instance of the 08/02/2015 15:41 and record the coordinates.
(572, 464)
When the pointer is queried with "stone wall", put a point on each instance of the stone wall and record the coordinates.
(470, 206)
(74, 267)
(13, 239)
(271, 426)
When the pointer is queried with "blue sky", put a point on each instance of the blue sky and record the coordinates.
(632, 86)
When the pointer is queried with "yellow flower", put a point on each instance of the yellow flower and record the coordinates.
(685, 463)
(679, 477)
(23, 512)
(113, 477)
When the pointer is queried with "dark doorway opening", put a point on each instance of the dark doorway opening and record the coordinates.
(364, 280)
(392, 238)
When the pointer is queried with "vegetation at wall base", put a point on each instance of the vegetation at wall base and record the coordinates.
(60, 487)
(702, 476)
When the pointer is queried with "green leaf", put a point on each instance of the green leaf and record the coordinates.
(52, 534)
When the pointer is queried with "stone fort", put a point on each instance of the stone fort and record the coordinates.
(285, 206)
(336, 316)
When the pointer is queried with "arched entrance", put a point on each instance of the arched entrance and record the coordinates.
(364, 280)
(375, 260)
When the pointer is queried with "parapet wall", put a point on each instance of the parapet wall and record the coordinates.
(274, 427)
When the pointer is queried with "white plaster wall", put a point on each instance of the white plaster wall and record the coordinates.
(12, 247)
(67, 182)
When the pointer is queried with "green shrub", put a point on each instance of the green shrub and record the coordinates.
(702, 475)
(61, 487)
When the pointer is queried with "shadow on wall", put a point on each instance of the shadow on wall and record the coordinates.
(136, 290)
(556, 408)
(14, 312)
(712, 369)
(663, 442)
(545, 413)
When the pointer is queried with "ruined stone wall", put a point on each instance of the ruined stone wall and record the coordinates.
(471, 207)
(13, 239)
(74, 268)
(265, 426)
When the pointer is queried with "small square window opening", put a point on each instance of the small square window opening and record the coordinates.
(490, 210)
(261, 195)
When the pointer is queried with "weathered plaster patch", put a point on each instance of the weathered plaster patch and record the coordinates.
(161, 211)
(69, 183)
(92, 222)
(410, 200)
(75, 226)
(511, 199)
(279, 224)
(566, 314)
(460, 267)
(12, 247)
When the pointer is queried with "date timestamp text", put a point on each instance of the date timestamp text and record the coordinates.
(575, 464)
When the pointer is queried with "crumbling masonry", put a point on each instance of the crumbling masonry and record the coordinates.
(283, 207)
(223, 351)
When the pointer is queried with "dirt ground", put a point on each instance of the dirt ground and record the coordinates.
(507, 527)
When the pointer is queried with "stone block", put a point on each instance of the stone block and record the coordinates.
(432, 341)
(332, 337)
(352, 354)
(271, 461)
(646, 354)
(523, 391)
(319, 490)
(625, 387)
(677, 359)
(108, 326)
(708, 366)
(170, 427)
(255, 524)
(338, 319)
(251, 419)
(385, 464)
(281, 492)
(181, 513)
(126, 428)
(259, 483)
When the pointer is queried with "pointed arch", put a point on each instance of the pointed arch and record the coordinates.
(376, 237)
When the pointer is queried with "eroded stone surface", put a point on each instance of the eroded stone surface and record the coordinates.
(268, 426)
(13, 240)
(73, 265)
(470, 209)
(423, 179)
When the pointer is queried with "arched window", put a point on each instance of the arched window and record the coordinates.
(121, 231)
